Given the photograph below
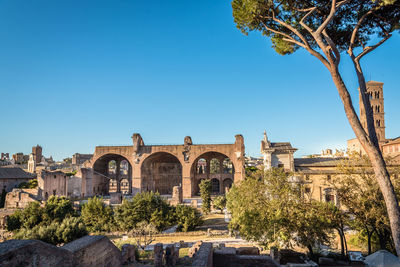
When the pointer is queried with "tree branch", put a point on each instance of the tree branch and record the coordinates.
(369, 49)
(331, 15)
(287, 38)
(332, 46)
(310, 11)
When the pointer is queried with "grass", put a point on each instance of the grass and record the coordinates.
(214, 221)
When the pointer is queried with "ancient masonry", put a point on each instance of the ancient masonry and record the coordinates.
(158, 168)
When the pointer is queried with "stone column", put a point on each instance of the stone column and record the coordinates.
(130, 179)
(158, 255)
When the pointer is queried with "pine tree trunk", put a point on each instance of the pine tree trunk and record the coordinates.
(375, 156)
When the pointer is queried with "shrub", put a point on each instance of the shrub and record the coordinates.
(57, 208)
(205, 193)
(32, 184)
(219, 203)
(96, 215)
(188, 218)
(146, 206)
(70, 229)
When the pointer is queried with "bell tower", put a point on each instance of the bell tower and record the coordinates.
(375, 94)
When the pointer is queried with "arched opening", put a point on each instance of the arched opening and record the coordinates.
(218, 166)
(201, 166)
(227, 165)
(215, 186)
(160, 173)
(108, 173)
(215, 166)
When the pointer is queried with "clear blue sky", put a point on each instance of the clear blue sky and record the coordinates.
(75, 74)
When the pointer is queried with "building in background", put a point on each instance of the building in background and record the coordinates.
(277, 154)
(37, 154)
(11, 177)
(79, 159)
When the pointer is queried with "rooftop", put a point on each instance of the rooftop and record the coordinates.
(15, 173)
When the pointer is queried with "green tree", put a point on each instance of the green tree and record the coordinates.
(205, 194)
(219, 203)
(326, 31)
(268, 208)
(146, 206)
(56, 233)
(188, 218)
(96, 215)
(31, 184)
(359, 193)
(57, 208)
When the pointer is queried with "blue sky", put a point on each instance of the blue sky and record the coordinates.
(75, 74)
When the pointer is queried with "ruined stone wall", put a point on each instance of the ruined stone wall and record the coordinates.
(20, 198)
(94, 251)
(87, 251)
(9, 183)
(74, 186)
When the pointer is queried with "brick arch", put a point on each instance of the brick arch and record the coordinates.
(160, 172)
(208, 156)
(101, 178)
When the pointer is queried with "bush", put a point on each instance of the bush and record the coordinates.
(219, 203)
(205, 193)
(32, 184)
(188, 218)
(57, 208)
(70, 229)
(96, 215)
(147, 206)
(54, 223)
(27, 218)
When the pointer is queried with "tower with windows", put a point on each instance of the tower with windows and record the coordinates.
(375, 94)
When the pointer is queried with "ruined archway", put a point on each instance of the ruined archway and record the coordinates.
(217, 167)
(160, 172)
(111, 173)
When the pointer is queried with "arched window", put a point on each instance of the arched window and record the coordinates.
(215, 186)
(112, 167)
(124, 167)
(227, 166)
(201, 166)
(378, 123)
(215, 166)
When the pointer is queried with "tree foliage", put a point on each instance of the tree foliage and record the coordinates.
(187, 218)
(147, 206)
(268, 208)
(290, 23)
(54, 223)
(219, 203)
(97, 216)
(359, 193)
(31, 184)
(205, 194)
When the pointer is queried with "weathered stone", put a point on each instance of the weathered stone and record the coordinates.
(248, 251)
(171, 255)
(226, 251)
(204, 256)
(194, 249)
(177, 197)
(20, 198)
(115, 198)
(158, 255)
(33, 253)
(326, 261)
(94, 251)
(128, 253)
(274, 253)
